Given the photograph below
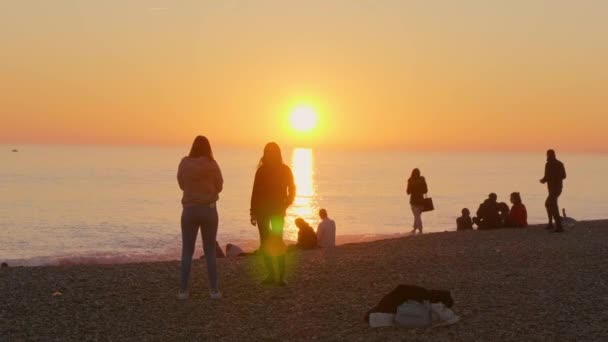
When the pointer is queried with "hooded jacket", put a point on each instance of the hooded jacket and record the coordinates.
(200, 179)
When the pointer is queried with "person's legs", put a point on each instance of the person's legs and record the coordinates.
(549, 214)
(190, 224)
(277, 223)
(417, 211)
(209, 236)
(264, 230)
(553, 207)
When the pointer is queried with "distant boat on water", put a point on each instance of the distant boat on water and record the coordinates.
(15, 150)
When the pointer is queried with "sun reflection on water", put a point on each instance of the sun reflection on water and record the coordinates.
(305, 204)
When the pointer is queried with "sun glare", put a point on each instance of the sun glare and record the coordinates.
(303, 119)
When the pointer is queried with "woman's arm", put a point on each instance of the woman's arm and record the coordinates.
(291, 187)
(180, 179)
(255, 195)
(219, 180)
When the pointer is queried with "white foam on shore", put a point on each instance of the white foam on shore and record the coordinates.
(111, 258)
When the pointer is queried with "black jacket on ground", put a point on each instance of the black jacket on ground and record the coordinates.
(403, 293)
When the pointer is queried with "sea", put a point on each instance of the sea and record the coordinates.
(109, 204)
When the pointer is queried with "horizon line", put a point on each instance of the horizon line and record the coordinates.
(291, 146)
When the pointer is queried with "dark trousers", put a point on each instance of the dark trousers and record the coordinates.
(205, 218)
(271, 226)
(553, 207)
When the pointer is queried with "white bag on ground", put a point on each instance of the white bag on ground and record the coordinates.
(413, 314)
(442, 315)
(381, 319)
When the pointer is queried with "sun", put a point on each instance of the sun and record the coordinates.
(303, 119)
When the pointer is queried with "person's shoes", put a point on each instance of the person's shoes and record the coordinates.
(413, 231)
(182, 295)
(281, 283)
(558, 230)
(549, 227)
(215, 294)
(268, 281)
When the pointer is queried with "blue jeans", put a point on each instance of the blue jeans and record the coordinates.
(206, 218)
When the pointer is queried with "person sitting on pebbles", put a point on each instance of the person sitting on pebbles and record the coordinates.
(326, 231)
(518, 217)
(307, 239)
(464, 222)
(488, 214)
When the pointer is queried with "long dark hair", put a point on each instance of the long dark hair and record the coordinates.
(516, 198)
(201, 148)
(415, 174)
(272, 155)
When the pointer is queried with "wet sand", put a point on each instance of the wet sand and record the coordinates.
(511, 284)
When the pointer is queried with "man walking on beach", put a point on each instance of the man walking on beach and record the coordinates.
(555, 173)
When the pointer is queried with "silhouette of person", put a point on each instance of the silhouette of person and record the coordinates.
(504, 212)
(518, 218)
(555, 173)
(464, 222)
(273, 192)
(326, 231)
(417, 188)
(307, 239)
(200, 178)
(488, 214)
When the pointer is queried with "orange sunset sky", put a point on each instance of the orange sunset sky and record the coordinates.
(428, 75)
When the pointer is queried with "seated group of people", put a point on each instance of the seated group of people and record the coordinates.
(324, 237)
(493, 215)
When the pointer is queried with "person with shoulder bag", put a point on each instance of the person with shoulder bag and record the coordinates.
(417, 189)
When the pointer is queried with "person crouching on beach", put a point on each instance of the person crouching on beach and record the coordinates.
(417, 188)
(200, 178)
(273, 192)
(464, 222)
(307, 239)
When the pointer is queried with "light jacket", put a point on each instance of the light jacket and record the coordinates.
(200, 179)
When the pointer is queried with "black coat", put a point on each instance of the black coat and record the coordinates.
(555, 173)
(416, 188)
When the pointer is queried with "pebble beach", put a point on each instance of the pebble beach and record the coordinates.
(508, 285)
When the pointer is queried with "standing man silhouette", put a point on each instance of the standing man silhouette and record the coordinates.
(555, 173)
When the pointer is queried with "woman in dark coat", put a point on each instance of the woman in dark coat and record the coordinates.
(417, 188)
(273, 192)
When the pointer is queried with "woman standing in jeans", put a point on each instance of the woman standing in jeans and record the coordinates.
(200, 178)
(273, 192)
(416, 188)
